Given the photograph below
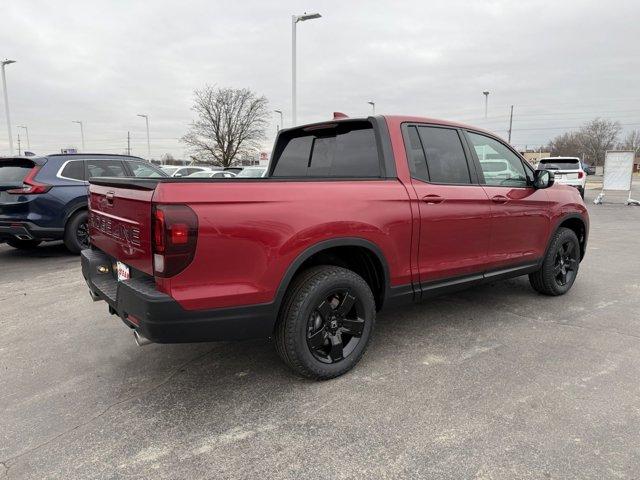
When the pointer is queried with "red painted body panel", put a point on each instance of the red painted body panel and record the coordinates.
(520, 225)
(121, 226)
(251, 232)
(455, 233)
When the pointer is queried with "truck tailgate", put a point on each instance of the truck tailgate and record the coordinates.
(120, 223)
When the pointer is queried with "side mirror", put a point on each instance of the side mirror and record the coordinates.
(543, 179)
(178, 175)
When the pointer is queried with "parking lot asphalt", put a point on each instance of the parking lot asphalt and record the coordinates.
(495, 382)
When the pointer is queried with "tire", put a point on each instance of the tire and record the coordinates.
(560, 265)
(581, 190)
(74, 238)
(23, 244)
(325, 323)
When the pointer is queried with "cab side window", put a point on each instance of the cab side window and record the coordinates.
(415, 155)
(446, 160)
(500, 166)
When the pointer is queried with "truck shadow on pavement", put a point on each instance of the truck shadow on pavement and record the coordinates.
(444, 329)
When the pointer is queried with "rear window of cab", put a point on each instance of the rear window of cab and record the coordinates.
(334, 150)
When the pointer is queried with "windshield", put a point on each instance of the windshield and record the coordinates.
(559, 164)
(251, 172)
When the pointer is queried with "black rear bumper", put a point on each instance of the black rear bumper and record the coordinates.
(161, 319)
(28, 231)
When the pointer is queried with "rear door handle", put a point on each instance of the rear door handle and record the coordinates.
(499, 199)
(432, 199)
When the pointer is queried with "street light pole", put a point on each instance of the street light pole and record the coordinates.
(281, 121)
(294, 20)
(79, 122)
(26, 130)
(486, 103)
(373, 106)
(146, 117)
(6, 102)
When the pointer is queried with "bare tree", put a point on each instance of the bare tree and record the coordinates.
(231, 122)
(568, 144)
(631, 141)
(598, 136)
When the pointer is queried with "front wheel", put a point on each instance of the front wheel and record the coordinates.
(326, 322)
(560, 266)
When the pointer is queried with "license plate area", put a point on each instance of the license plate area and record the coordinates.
(122, 271)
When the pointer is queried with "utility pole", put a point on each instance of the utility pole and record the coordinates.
(146, 117)
(486, 103)
(294, 20)
(281, 120)
(79, 122)
(4, 63)
(128, 144)
(510, 123)
(19, 151)
(26, 130)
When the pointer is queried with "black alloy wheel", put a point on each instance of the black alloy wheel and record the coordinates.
(326, 321)
(559, 268)
(82, 234)
(76, 232)
(566, 263)
(335, 327)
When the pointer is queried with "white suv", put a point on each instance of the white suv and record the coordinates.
(567, 171)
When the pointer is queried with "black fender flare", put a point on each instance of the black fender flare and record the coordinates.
(324, 245)
(555, 229)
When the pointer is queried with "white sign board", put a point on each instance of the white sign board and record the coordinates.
(618, 169)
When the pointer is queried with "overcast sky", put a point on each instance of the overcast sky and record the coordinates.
(559, 62)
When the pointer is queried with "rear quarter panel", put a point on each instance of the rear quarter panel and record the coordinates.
(250, 232)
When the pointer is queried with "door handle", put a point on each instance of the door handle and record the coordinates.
(499, 199)
(432, 199)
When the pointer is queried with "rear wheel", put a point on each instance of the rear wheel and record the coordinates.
(326, 322)
(560, 266)
(23, 244)
(76, 233)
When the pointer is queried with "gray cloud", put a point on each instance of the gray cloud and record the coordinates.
(559, 63)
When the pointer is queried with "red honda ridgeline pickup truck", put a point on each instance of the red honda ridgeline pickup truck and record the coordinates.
(354, 215)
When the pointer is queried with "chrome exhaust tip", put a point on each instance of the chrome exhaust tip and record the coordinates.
(140, 340)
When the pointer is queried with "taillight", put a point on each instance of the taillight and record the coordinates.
(30, 186)
(175, 233)
(580, 174)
